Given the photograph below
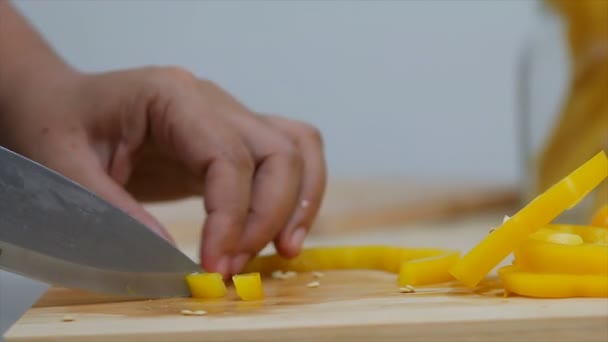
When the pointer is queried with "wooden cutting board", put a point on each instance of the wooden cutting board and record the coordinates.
(348, 306)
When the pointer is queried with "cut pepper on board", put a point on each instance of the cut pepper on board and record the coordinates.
(248, 286)
(419, 266)
(380, 257)
(546, 257)
(552, 285)
(589, 234)
(478, 262)
(431, 270)
(553, 236)
(206, 285)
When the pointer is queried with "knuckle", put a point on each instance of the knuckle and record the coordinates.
(175, 75)
(240, 157)
(232, 218)
(288, 151)
(209, 85)
(314, 133)
(178, 72)
(309, 132)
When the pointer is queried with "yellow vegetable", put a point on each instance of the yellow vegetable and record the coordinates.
(546, 257)
(206, 285)
(589, 234)
(347, 257)
(551, 285)
(553, 236)
(248, 286)
(411, 263)
(560, 261)
(429, 270)
(543, 209)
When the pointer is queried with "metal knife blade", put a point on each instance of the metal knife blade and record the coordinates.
(58, 232)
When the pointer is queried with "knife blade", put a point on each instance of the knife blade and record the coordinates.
(56, 231)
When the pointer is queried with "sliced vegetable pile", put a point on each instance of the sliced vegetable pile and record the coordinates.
(539, 212)
(551, 261)
(563, 261)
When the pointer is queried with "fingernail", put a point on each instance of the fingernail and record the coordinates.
(297, 238)
(223, 266)
(238, 262)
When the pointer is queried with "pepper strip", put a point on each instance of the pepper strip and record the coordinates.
(545, 257)
(478, 262)
(348, 257)
(431, 270)
(416, 266)
(552, 285)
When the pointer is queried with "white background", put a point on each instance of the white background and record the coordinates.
(414, 88)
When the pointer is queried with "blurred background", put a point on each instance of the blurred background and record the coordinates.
(427, 90)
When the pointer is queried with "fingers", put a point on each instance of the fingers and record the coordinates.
(285, 192)
(274, 194)
(214, 152)
(184, 121)
(227, 194)
(256, 174)
(314, 178)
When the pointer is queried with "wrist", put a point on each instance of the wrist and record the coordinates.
(28, 66)
(28, 99)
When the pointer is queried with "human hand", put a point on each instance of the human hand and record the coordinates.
(161, 133)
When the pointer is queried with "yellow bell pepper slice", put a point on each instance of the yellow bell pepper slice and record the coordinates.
(416, 266)
(589, 234)
(248, 286)
(478, 262)
(347, 257)
(600, 218)
(546, 257)
(552, 285)
(206, 285)
(431, 270)
(553, 236)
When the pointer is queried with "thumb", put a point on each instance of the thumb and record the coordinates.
(114, 193)
(89, 173)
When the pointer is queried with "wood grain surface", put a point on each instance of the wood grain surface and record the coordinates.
(349, 305)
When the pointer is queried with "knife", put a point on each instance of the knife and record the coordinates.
(56, 231)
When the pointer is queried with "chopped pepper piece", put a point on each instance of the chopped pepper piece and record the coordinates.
(543, 209)
(600, 218)
(248, 286)
(552, 285)
(206, 285)
(431, 270)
